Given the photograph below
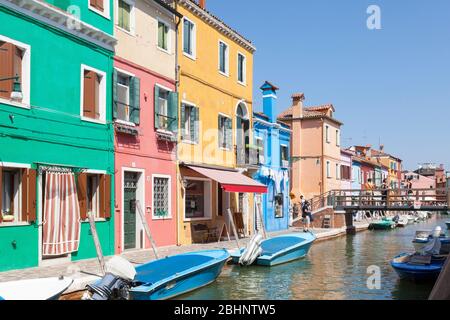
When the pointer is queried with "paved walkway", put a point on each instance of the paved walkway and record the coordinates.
(87, 271)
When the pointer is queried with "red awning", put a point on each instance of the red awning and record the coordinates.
(232, 181)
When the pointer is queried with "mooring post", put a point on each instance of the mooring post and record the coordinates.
(351, 230)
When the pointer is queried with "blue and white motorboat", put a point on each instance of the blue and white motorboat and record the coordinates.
(35, 289)
(279, 249)
(417, 267)
(161, 279)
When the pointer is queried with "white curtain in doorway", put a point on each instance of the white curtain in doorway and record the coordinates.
(61, 224)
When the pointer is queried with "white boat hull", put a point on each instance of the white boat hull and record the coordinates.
(35, 289)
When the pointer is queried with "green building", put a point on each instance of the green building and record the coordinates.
(56, 134)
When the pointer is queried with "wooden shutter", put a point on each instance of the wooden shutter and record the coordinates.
(195, 124)
(107, 197)
(100, 5)
(229, 130)
(183, 121)
(90, 79)
(157, 112)
(32, 199)
(6, 68)
(1, 193)
(24, 195)
(115, 98)
(135, 103)
(82, 194)
(172, 113)
(221, 133)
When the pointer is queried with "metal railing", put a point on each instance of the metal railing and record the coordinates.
(382, 199)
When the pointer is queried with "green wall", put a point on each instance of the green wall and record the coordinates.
(52, 131)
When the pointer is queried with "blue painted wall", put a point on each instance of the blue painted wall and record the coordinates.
(273, 135)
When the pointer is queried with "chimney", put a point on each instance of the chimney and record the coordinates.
(381, 147)
(297, 105)
(269, 92)
(202, 4)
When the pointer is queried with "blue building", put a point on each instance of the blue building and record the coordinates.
(272, 145)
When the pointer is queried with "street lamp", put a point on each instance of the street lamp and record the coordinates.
(16, 94)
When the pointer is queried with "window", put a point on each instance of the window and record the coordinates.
(97, 4)
(124, 15)
(225, 132)
(328, 169)
(15, 69)
(161, 197)
(338, 172)
(189, 123)
(242, 69)
(126, 97)
(93, 94)
(338, 138)
(163, 36)
(166, 109)
(260, 150)
(346, 173)
(94, 194)
(279, 212)
(327, 134)
(17, 195)
(189, 38)
(284, 156)
(198, 199)
(223, 58)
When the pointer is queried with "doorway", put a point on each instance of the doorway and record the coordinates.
(130, 187)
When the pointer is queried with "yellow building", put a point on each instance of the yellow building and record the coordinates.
(215, 90)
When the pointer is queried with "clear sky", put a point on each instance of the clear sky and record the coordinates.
(390, 85)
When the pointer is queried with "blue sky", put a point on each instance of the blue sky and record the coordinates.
(390, 85)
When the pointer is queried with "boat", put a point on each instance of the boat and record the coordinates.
(402, 221)
(411, 219)
(35, 289)
(383, 224)
(418, 267)
(161, 279)
(447, 223)
(280, 249)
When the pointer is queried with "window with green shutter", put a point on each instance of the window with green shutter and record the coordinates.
(124, 15)
(189, 123)
(126, 96)
(163, 36)
(225, 132)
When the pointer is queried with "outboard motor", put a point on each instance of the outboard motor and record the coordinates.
(116, 283)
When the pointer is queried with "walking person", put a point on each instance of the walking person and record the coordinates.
(306, 215)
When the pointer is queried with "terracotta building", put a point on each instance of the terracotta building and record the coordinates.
(316, 147)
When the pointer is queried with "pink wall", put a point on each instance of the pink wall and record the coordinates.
(149, 155)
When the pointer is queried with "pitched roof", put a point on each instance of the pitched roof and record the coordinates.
(313, 112)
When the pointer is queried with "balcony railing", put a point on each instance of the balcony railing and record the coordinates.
(248, 156)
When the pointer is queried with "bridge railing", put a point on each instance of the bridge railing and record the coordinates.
(382, 198)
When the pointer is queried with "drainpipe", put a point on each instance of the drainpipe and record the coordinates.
(322, 160)
(177, 86)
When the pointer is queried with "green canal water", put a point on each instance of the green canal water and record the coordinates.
(333, 269)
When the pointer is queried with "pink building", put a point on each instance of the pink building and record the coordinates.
(146, 122)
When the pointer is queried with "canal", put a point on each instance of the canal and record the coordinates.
(334, 269)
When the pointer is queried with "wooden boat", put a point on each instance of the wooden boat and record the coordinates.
(35, 289)
(281, 249)
(383, 224)
(176, 275)
(418, 267)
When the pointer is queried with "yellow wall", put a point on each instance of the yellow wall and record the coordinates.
(202, 85)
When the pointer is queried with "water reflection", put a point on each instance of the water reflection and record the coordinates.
(335, 269)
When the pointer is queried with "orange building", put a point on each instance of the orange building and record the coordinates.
(316, 147)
